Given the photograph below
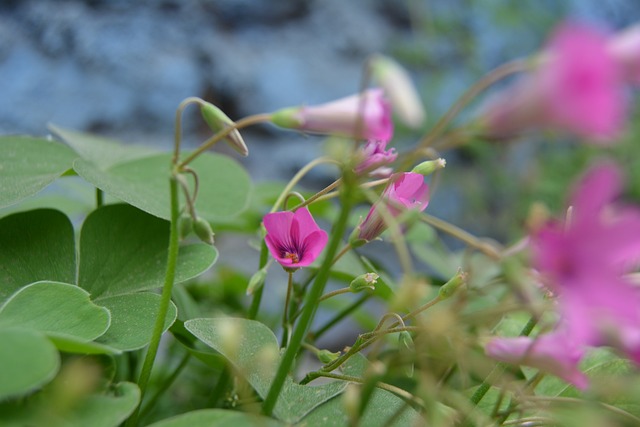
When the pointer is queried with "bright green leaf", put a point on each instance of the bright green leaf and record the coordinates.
(75, 345)
(101, 151)
(57, 309)
(35, 245)
(132, 320)
(123, 250)
(253, 349)
(218, 418)
(224, 185)
(27, 165)
(28, 361)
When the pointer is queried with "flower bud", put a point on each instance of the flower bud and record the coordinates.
(217, 121)
(429, 167)
(354, 240)
(257, 281)
(452, 286)
(326, 356)
(364, 281)
(364, 115)
(405, 340)
(185, 226)
(203, 230)
(397, 84)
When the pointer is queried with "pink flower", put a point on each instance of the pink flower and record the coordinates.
(585, 262)
(406, 190)
(364, 116)
(375, 156)
(578, 88)
(553, 353)
(294, 239)
(625, 48)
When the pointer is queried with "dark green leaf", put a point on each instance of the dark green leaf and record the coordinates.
(35, 245)
(132, 320)
(123, 250)
(28, 361)
(57, 309)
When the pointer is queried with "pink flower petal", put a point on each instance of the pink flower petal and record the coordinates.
(314, 244)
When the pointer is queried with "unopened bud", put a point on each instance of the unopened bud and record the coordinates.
(452, 286)
(364, 281)
(288, 118)
(354, 238)
(399, 87)
(185, 226)
(203, 230)
(429, 167)
(257, 281)
(326, 356)
(217, 121)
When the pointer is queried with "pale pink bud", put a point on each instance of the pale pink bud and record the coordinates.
(362, 116)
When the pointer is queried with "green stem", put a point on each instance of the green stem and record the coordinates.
(334, 293)
(165, 385)
(257, 295)
(344, 313)
(460, 234)
(165, 299)
(286, 326)
(311, 303)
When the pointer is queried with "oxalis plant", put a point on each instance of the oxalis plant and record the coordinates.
(112, 314)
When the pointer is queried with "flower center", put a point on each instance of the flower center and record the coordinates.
(292, 256)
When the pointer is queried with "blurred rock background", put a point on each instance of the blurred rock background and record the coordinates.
(119, 68)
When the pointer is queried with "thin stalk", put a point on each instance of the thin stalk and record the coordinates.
(178, 130)
(286, 326)
(165, 385)
(505, 70)
(319, 194)
(344, 313)
(334, 293)
(242, 123)
(388, 387)
(297, 177)
(257, 295)
(462, 235)
(165, 298)
(311, 304)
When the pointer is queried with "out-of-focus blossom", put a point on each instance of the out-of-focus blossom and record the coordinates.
(397, 84)
(364, 116)
(405, 191)
(375, 157)
(553, 353)
(625, 48)
(577, 88)
(294, 239)
(585, 261)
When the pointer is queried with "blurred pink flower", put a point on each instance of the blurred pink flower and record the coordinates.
(405, 190)
(584, 262)
(375, 156)
(294, 239)
(364, 116)
(577, 88)
(553, 353)
(625, 48)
